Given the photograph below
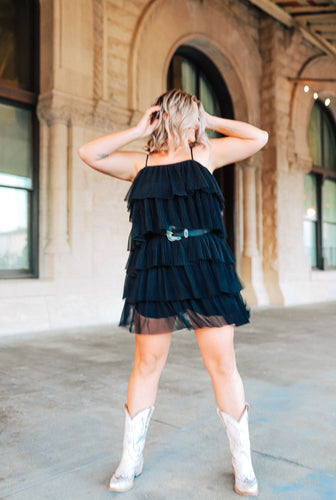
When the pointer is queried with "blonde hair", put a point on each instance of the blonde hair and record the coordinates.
(179, 111)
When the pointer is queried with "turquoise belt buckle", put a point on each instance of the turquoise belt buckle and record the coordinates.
(170, 236)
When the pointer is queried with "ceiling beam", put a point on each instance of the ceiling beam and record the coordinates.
(329, 35)
(327, 17)
(310, 9)
(273, 10)
(312, 80)
(280, 15)
(326, 28)
(317, 40)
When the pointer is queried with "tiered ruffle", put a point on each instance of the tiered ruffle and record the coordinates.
(189, 283)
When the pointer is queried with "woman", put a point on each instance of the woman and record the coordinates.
(180, 271)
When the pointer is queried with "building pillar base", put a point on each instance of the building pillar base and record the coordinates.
(254, 288)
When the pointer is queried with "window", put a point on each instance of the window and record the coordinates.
(320, 190)
(321, 138)
(310, 217)
(329, 222)
(186, 74)
(193, 72)
(18, 139)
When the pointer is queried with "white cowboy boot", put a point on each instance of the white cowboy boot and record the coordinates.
(238, 434)
(131, 464)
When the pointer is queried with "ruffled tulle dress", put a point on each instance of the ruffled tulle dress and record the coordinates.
(189, 282)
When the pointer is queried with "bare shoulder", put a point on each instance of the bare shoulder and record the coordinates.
(202, 154)
(139, 164)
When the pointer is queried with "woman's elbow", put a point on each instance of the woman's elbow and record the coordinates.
(264, 138)
(81, 152)
(84, 155)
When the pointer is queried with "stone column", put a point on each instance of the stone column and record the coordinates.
(56, 170)
(250, 211)
(251, 261)
(58, 234)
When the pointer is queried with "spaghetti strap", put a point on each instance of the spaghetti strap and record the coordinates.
(146, 160)
(192, 155)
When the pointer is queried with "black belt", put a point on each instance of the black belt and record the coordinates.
(174, 235)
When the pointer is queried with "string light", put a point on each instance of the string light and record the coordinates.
(311, 212)
(307, 88)
(327, 100)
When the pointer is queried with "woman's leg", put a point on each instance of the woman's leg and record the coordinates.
(151, 352)
(217, 349)
(216, 345)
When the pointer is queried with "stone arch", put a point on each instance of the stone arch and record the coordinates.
(302, 103)
(216, 31)
(162, 28)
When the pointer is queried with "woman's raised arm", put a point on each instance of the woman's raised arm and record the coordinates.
(103, 154)
(243, 140)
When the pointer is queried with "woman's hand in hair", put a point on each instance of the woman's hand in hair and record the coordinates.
(149, 122)
(208, 124)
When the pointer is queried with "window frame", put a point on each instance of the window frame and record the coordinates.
(27, 99)
(322, 173)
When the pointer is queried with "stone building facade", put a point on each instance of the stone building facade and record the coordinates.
(102, 62)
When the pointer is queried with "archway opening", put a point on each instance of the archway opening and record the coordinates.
(192, 71)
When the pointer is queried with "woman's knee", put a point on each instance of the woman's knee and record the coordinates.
(151, 353)
(223, 366)
(148, 364)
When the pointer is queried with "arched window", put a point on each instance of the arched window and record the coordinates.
(320, 189)
(193, 72)
(19, 23)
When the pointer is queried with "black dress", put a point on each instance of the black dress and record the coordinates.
(189, 282)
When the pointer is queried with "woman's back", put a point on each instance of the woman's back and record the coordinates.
(180, 272)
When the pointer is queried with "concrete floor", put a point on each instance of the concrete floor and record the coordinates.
(62, 397)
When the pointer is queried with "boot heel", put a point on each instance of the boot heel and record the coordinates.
(138, 471)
